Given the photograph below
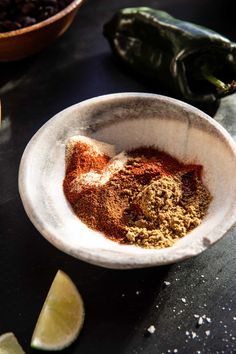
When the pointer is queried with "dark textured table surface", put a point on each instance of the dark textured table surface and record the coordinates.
(120, 305)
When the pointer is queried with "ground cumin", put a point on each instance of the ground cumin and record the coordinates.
(151, 201)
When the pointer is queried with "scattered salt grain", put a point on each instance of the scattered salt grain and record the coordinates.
(183, 299)
(194, 335)
(151, 329)
(187, 333)
(138, 292)
(234, 318)
(208, 319)
(196, 316)
(175, 351)
(208, 332)
(167, 283)
(200, 321)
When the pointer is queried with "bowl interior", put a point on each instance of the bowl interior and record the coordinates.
(128, 121)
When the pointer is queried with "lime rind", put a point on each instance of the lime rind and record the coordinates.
(62, 316)
(9, 344)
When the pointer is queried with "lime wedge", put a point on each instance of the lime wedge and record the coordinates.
(61, 317)
(9, 344)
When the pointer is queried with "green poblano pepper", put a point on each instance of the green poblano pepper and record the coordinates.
(194, 62)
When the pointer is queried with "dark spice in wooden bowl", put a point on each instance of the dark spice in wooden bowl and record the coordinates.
(17, 14)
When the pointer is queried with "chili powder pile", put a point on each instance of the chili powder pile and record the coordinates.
(152, 200)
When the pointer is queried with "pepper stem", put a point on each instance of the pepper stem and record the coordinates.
(221, 86)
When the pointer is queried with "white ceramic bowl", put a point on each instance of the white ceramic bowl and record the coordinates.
(128, 120)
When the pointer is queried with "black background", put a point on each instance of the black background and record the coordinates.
(120, 305)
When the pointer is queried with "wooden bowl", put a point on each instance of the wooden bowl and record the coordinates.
(15, 45)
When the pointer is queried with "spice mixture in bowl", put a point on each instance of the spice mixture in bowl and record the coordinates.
(141, 169)
(143, 197)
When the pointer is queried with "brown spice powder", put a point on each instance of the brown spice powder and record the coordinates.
(152, 201)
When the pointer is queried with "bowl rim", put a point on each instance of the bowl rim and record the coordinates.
(69, 8)
(106, 259)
